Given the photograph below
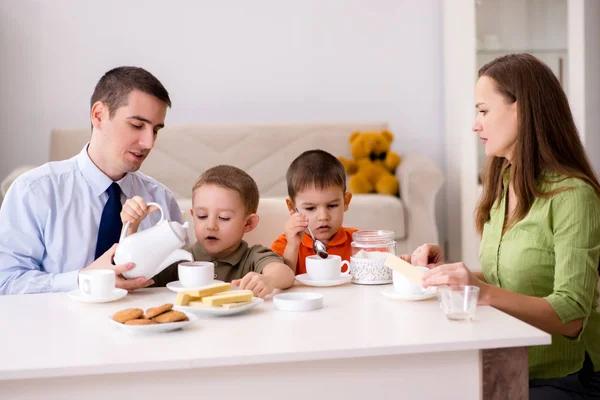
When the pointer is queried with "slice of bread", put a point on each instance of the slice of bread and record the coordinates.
(231, 297)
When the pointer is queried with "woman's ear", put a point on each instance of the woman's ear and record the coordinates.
(96, 114)
(347, 198)
(290, 205)
(191, 212)
(251, 223)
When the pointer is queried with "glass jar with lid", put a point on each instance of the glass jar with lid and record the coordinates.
(369, 252)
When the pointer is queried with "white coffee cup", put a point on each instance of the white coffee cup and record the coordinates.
(326, 269)
(193, 274)
(407, 287)
(97, 282)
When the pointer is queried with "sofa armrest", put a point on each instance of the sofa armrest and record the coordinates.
(420, 180)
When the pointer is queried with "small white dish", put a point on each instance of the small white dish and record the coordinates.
(305, 280)
(177, 287)
(116, 294)
(155, 328)
(219, 311)
(392, 294)
(298, 301)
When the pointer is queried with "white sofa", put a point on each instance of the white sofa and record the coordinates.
(182, 153)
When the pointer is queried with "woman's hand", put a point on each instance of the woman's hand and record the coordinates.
(429, 255)
(454, 275)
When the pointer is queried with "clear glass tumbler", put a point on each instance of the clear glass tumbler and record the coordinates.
(459, 302)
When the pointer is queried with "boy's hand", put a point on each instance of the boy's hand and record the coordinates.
(261, 285)
(294, 228)
(134, 211)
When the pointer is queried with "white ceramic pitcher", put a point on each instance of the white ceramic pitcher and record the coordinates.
(153, 249)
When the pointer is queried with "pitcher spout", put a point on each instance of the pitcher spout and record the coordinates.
(177, 255)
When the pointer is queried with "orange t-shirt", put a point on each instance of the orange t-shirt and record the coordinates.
(338, 245)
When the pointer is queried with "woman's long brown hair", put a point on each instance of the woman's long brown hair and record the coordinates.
(547, 141)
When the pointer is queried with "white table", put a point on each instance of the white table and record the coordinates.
(361, 345)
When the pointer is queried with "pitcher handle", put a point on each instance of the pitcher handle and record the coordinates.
(162, 217)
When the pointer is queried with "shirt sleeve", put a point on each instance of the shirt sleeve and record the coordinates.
(576, 228)
(278, 246)
(261, 256)
(174, 209)
(22, 243)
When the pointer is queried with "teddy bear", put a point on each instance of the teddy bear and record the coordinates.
(373, 164)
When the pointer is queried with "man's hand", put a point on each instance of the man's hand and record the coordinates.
(105, 261)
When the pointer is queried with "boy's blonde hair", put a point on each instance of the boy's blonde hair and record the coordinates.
(316, 168)
(230, 177)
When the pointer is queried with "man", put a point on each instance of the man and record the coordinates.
(63, 217)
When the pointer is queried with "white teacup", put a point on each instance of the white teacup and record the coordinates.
(193, 274)
(325, 269)
(407, 287)
(97, 282)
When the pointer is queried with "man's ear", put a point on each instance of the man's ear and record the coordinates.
(347, 198)
(99, 110)
(290, 205)
(251, 222)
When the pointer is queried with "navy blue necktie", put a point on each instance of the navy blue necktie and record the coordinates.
(110, 223)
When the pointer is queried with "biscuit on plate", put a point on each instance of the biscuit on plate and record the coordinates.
(140, 321)
(171, 316)
(156, 311)
(128, 314)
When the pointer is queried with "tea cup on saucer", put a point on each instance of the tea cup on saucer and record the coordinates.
(405, 286)
(194, 274)
(326, 269)
(97, 283)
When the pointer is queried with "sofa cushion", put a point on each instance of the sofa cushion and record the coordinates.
(366, 211)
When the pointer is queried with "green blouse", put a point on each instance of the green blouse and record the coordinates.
(552, 253)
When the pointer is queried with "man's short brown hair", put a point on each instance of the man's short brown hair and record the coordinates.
(230, 177)
(316, 168)
(114, 87)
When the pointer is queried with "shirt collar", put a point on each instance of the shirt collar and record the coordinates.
(98, 180)
(339, 238)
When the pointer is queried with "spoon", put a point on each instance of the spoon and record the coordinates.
(318, 246)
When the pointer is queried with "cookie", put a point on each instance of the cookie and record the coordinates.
(128, 314)
(140, 321)
(171, 316)
(156, 311)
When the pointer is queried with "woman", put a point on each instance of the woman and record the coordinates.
(539, 219)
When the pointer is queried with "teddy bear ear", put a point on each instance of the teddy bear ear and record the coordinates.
(388, 135)
(354, 135)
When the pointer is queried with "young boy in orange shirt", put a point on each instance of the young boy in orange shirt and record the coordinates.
(316, 182)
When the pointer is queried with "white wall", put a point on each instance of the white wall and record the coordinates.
(225, 61)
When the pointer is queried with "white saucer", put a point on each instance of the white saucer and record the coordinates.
(298, 301)
(154, 328)
(219, 311)
(76, 295)
(392, 294)
(177, 287)
(305, 280)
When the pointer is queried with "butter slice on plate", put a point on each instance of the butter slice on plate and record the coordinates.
(408, 270)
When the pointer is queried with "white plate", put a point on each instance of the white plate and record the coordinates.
(116, 294)
(154, 328)
(305, 280)
(177, 287)
(219, 311)
(392, 294)
(298, 301)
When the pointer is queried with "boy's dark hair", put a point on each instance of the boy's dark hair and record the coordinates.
(316, 168)
(230, 177)
(114, 87)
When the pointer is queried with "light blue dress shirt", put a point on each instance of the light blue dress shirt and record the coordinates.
(49, 222)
